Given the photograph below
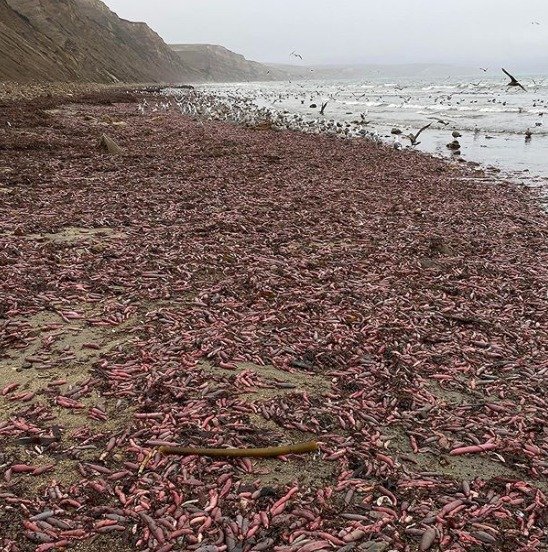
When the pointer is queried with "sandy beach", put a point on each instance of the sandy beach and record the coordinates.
(224, 286)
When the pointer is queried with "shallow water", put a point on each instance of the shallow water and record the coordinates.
(491, 117)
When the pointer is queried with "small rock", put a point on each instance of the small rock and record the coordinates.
(395, 131)
(437, 245)
(456, 134)
(297, 363)
(372, 546)
(97, 248)
(454, 145)
(108, 145)
(427, 262)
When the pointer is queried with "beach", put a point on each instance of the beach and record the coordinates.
(239, 286)
(490, 118)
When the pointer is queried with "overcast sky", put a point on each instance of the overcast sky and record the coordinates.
(470, 32)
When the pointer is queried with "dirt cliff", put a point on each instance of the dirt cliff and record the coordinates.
(84, 41)
(215, 63)
(81, 40)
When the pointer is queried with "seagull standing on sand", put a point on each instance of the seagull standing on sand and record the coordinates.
(513, 80)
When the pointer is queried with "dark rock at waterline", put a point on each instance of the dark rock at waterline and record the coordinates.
(454, 145)
(395, 131)
(456, 134)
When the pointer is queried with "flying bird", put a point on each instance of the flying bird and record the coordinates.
(415, 137)
(513, 81)
(294, 54)
(322, 110)
(484, 69)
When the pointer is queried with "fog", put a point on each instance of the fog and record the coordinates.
(464, 32)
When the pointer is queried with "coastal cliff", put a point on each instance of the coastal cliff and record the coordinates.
(214, 63)
(84, 41)
(81, 40)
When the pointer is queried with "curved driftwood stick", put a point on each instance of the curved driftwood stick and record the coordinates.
(269, 452)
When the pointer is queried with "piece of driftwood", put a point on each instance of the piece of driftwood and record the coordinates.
(269, 452)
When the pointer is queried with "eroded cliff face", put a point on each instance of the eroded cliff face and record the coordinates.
(216, 63)
(84, 41)
(81, 40)
(26, 54)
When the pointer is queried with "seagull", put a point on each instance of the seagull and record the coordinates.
(513, 81)
(484, 69)
(294, 54)
(414, 137)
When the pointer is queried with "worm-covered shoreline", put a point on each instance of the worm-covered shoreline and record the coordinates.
(223, 286)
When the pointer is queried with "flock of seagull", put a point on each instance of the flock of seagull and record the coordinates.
(242, 109)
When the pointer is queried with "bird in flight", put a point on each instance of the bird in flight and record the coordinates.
(513, 80)
(535, 23)
(415, 137)
(295, 54)
(484, 69)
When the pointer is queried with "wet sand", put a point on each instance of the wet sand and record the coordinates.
(223, 286)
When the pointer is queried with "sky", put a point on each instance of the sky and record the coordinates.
(463, 32)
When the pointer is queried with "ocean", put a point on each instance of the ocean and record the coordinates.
(492, 118)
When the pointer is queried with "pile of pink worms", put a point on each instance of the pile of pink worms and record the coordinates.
(411, 291)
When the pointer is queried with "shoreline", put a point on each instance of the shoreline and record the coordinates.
(506, 150)
(218, 285)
